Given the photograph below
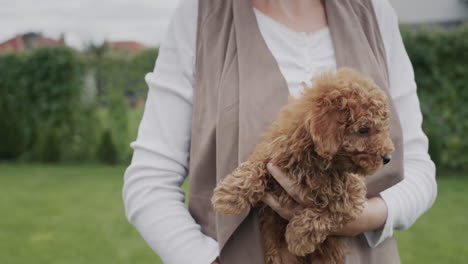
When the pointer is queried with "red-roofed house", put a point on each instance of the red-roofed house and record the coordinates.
(29, 41)
(130, 47)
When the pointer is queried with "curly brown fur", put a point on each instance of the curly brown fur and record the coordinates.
(327, 141)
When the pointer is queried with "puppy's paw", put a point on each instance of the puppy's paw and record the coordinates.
(300, 243)
(228, 201)
(305, 231)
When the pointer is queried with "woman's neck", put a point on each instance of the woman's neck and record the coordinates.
(299, 15)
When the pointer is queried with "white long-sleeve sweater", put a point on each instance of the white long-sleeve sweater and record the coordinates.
(152, 194)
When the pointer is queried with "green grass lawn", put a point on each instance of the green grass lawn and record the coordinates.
(74, 214)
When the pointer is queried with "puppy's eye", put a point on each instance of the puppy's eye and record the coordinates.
(363, 130)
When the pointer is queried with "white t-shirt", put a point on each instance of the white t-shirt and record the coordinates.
(153, 198)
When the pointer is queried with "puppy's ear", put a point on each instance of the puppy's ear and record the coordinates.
(327, 129)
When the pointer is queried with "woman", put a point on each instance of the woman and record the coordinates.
(297, 35)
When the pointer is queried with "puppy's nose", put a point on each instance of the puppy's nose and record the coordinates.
(386, 158)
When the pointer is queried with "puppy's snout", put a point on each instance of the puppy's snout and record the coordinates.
(386, 158)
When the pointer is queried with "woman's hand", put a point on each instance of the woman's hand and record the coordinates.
(216, 262)
(373, 216)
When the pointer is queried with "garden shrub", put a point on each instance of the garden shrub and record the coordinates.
(440, 60)
(116, 71)
(107, 151)
(118, 123)
(48, 146)
(81, 146)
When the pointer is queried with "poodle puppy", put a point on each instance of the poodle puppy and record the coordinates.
(327, 141)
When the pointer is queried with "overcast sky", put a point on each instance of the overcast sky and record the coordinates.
(83, 21)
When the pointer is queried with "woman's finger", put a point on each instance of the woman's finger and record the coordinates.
(288, 185)
(273, 203)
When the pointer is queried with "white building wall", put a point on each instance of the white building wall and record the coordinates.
(430, 11)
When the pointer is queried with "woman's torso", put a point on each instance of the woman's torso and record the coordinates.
(239, 90)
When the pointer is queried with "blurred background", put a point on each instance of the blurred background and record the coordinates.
(72, 93)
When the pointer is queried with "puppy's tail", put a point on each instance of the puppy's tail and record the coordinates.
(331, 251)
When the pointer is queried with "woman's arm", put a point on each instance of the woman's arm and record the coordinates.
(152, 194)
(409, 199)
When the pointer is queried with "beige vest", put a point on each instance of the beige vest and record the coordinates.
(239, 91)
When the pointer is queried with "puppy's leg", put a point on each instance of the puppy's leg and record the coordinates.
(241, 189)
(331, 251)
(306, 230)
(274, 244)
(272, 235)
(352, 202)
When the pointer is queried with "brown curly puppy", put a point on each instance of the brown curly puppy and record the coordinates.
(327, 141)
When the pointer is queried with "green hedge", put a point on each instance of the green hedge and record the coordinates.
(115, 71)
(43, 116)
(117, 75)
(440, 61)
(49, 113)
(40, 103)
